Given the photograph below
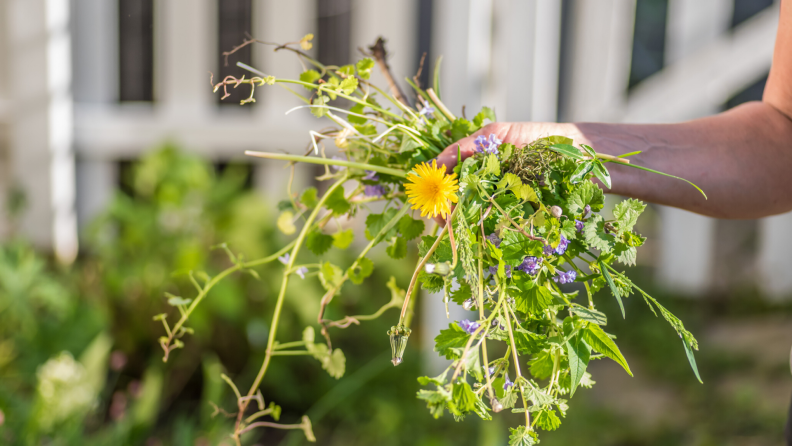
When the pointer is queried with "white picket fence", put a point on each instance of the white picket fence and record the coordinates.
(62, 129)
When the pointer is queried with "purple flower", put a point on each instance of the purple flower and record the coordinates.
(488, 146)
(426, 111)
(531, 265)
(284, 258)
(586, 210)
(491, 370)
(494, 239)
(494, 270)
(469, 326)
(338, 168)
(562, 246)
(301, 272)
(548, 250)
(371, 176)
(375, 190)
(508, 383)
(578, 226)
(565, 277)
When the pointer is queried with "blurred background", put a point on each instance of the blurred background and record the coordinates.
(119, 169)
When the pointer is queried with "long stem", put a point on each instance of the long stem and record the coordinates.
(327, 161)
(282, 294)
(418, 271)
(516, 361)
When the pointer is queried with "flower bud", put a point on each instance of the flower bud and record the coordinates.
(441, 269)
(398, 340)
(555, 211)
(469, 304)
(586, 210)
(496, 405)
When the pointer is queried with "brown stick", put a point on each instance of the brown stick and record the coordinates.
(378, 52)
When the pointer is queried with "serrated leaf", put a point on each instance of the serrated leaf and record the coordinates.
(309, 76)
(397, 249)
(509, 180)
(461, 294)
(342, 239)
(318, 242)
(286, 223)
(547, 419)
(627, 213)
(347, 70)
(578, 354)
(349, 85)
(595, 235)
(586, 193)
(335, 363)
(453, 337)
(337, 203)
(364, 67)
(614, 290)
(485, 113)
(626, 255)
(330, 276)
(431, 282)
(525, 192)
(411, 228)
(376, 222)
(464, 398)
(308, 198)
(534, 300)
(521, 436)
(492, 165)
(541, 365)
(568, 229)
(460, 128)
(358, 273)
(516, 246)
(599, 341)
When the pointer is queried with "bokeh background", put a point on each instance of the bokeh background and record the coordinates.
(119, 169)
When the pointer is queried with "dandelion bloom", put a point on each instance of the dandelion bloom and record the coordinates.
(430, 189)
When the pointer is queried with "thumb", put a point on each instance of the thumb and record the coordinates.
(465, 146)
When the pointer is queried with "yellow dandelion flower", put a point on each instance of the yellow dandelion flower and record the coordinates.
(430, 189)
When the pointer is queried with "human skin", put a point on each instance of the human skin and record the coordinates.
(741, 158)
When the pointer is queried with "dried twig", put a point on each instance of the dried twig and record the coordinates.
(380, 54)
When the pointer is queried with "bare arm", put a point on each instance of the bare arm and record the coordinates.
(741, 158)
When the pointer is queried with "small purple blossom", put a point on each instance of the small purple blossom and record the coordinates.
(427, 110)
(338, 168)
(508, 383)
(531, 265)
(565, 277)
(586, 210)
(488, 146)
(469, 326)
(374, 190)
(548, 250)
(284, 258)
(494, 270)
(491, 370)
(301, 272)
(578, 226)
(494, 239)
(371, 176)
(562, 246)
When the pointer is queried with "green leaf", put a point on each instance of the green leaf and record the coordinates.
(376, 222)
(589, 150)
(347, 70)
(308, 335)
(599, 341)
(318, 242)
(528, 343)
(436, 400)
(586, 193)
(364, 67)
(627, 213)
(485, 113)
(308, 198)
(175, 301)
(337, 203)
(464, 398)
(568, 229)
(398, 248)
(691, 360)
(522, 437)
(627, 255)
(612, 286)
(357, 273)
(460, 128)
(349, 85)
(342, 239)
(660, 173)
(595, 235)
(358, 109)
(508, 181)
(580, 173)
(568, 150)
(462, 293)
(411, 228)
(431, 282)
(547, 419)
(542, 365)
(408, 144)
(309, 76)
(454, 337)
(578, 353)
(534, 300)
(330, 276)
(492, 165)
(319, 100)
(602, 173)
(335, 363)
(516, 246)
(593, 316)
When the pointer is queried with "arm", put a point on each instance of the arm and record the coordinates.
(741, 158)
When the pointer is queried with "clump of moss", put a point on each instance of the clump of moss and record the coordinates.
(532, 161)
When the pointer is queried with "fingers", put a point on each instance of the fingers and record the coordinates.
(448, 157)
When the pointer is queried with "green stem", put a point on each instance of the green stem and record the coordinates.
(290, 353)
(282, 295)
(516, 361)
(327, 161)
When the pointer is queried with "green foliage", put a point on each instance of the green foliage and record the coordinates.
(318, 242)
